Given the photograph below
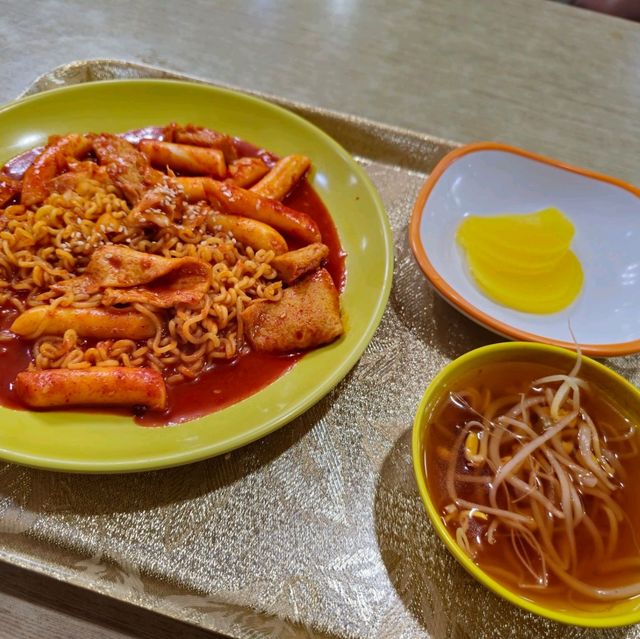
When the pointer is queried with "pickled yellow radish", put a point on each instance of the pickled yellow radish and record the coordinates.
(531, 293)
(523, 261)
(530, 242)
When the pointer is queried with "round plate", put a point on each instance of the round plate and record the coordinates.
(105, 443)
(488, 179)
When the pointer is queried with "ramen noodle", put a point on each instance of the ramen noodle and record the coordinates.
(132, 266)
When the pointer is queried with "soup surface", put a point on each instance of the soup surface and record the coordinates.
(573, 545)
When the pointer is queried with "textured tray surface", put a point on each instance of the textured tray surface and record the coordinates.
(316, 530)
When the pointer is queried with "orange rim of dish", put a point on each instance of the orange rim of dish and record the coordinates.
(445, 289)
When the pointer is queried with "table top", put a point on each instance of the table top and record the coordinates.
(551, 78)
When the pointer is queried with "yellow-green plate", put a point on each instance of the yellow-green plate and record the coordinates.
(105, 443)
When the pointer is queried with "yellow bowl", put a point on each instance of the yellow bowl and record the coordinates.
(625, 395)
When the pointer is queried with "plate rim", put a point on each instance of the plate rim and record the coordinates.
(206, 451)
(450, 295)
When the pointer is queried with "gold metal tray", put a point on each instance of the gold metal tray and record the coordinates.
(317, 530)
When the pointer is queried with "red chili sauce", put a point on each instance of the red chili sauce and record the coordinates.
(222, 384)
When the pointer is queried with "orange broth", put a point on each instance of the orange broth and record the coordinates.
(499, 559)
